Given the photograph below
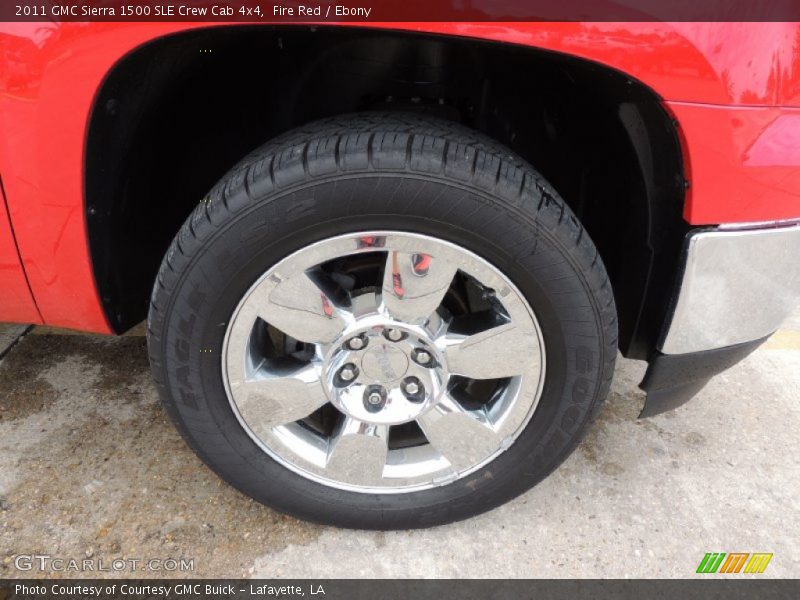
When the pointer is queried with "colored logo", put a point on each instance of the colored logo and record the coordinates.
(735, 562)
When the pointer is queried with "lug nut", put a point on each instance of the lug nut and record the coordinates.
(374, 398)
(348, 373)
(357, 343)
(412, 389)
(394, 335)
(421, 356)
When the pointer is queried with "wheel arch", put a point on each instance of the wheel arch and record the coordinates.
(175, 114)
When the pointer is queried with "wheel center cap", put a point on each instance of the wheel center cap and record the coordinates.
(384, 364)
(383, 372)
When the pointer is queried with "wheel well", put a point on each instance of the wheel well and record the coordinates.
(174, 115)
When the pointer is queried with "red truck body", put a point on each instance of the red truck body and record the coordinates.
(732, 88)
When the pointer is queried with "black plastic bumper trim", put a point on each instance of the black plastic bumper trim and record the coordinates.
(673, 379)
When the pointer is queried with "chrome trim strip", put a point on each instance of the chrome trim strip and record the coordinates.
(758, 225)
(738, 286)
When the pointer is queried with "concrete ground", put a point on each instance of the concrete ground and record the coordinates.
(90, 467)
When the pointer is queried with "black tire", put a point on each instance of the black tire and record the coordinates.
(382, 171)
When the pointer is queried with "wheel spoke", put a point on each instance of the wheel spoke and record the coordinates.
(357, 452)
(463, 437)
(414, 284)
(503, 351)
(281, 399)
(300, 308)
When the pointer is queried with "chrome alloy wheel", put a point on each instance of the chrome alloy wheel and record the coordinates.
(383, 362)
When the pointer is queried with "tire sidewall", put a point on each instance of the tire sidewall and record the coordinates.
(510, 236)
